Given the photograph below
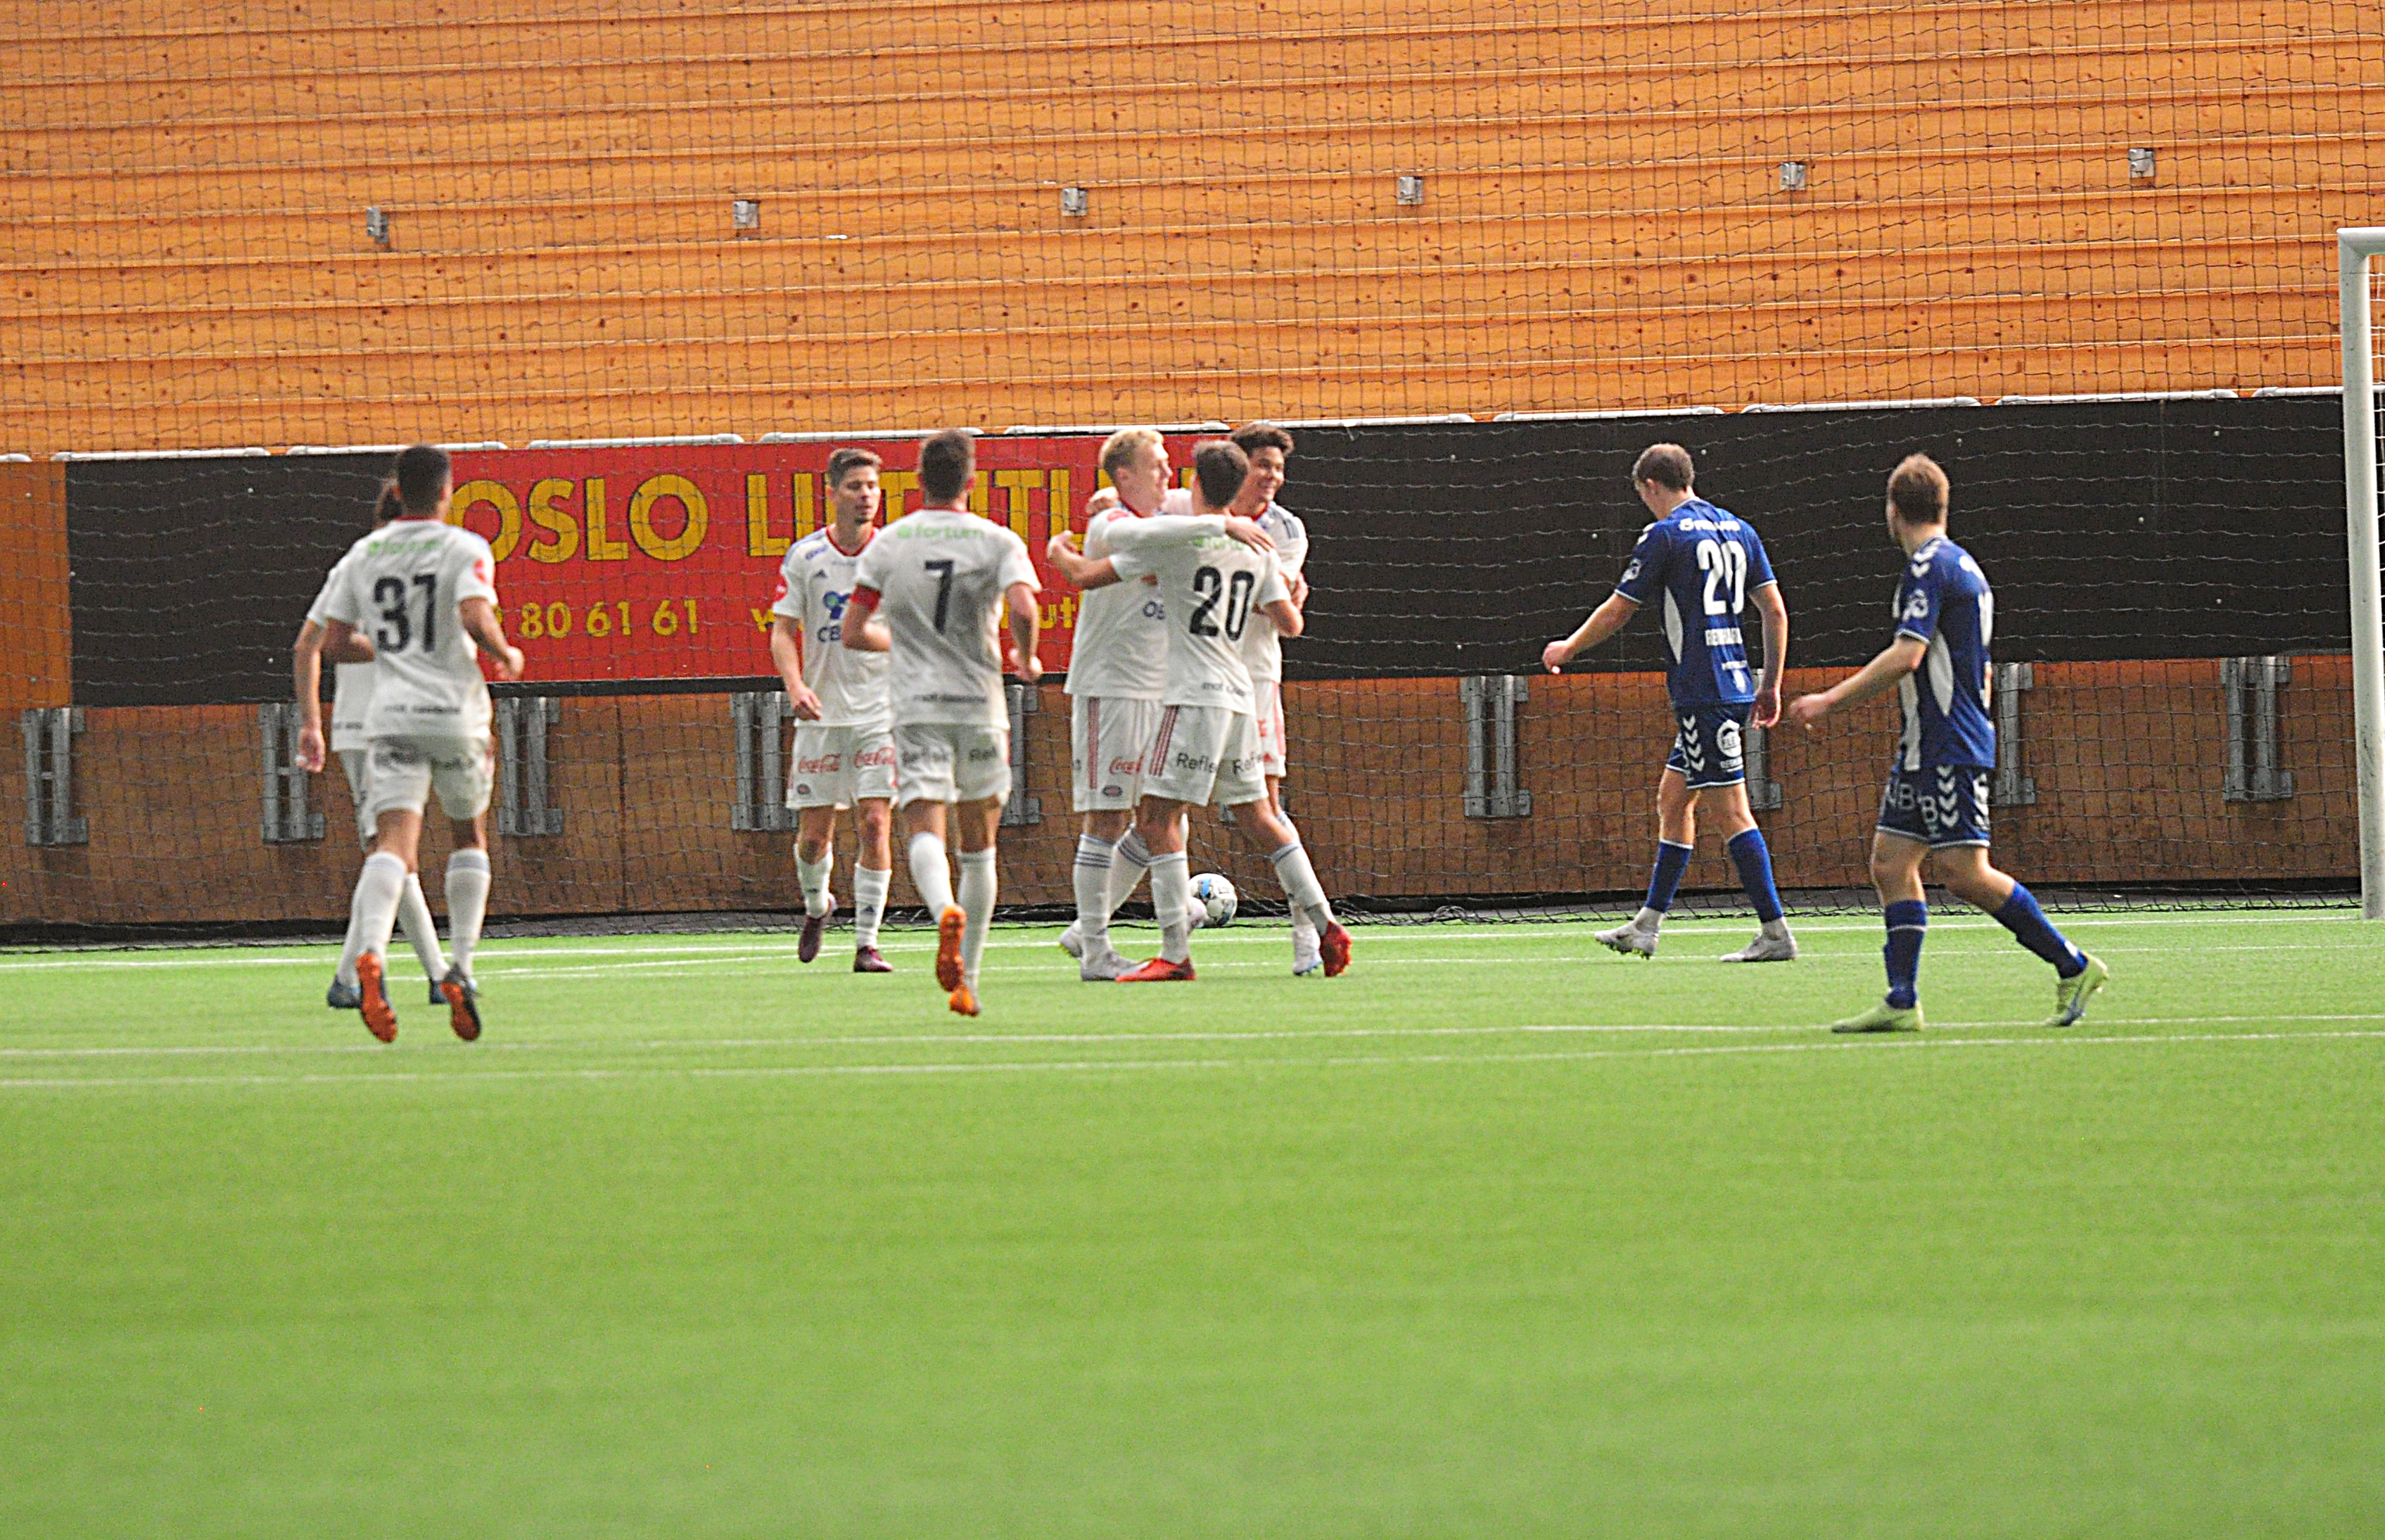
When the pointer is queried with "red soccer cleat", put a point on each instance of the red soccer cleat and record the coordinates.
(809, 946)
(381, 1018)
(1333, 944)
(948, 949)
(1159, 971)
(869, 959)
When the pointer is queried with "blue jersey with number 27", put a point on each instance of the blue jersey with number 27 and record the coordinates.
(1703, 562)
(1945, 603)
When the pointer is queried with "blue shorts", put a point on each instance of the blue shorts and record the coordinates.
(1709, 747)
(1940, 805)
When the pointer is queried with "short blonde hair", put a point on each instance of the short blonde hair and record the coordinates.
(1120, 448)
(1917, 490)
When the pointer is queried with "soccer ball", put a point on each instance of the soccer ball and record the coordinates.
(1215, 898)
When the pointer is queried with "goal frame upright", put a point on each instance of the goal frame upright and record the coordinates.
(2356, 250)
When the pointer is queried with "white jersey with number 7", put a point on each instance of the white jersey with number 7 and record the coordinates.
(940, 575)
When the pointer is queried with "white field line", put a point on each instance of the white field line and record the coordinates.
(1099, 1066)
(1265, 933)
(1079, 1039)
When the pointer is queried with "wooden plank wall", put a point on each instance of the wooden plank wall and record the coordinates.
(36, 632)
(182, 222)
(2128, 758)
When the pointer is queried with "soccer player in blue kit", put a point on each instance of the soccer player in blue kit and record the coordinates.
(1937, 800)
(1705, 566)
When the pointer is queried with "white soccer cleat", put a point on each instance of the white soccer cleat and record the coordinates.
(1306, 955)
(1100, 967)
(1764, 948)
(1628, 939)
(1072, 940)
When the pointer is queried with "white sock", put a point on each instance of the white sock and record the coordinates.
(1093, 875)
(354, 946)
(978, 888)
(467, 904)
(813, 876)
(1777, 929)
(930, 873)
(414, 916)
(1129, 861)
(375, 908)
(869, 903)
(1171, 893)
(1304, 930)
(1301, 886)
(1648, 919)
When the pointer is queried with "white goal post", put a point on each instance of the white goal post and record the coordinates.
(2356, 250)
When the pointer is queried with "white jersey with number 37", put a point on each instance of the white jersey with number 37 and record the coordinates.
(405, 584)
(940, 575)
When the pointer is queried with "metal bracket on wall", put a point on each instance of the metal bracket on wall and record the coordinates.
(1490, 701)
(49, 776)
(2012, 788)
(1025, 701)
(523, 766)
(287, 822)
(2251, 686)
(1756, 754)
(761, 761)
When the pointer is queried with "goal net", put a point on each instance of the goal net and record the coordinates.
(646, 267)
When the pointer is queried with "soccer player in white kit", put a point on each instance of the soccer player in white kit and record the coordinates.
(351, 698)
(1118, 670)
(930, 591)
(423, 591)
(1215, 571)
(844, 745)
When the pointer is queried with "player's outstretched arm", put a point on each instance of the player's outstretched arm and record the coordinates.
(481, 622)
(1074, 569)
(787, 656)
(1604, 623)
(1026, 614)
(863, 630)
(1775, 611)
(1896, 660)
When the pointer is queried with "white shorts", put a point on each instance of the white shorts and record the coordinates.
(404, 770)
(1106, 737)
(1205, 756)
(836, 767)
(952, 762)
(1266, 706)
(357, 762)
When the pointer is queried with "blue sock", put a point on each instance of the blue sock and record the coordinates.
(1671, 861)
(1908, 922)
(1756, 873)
(2029, 925)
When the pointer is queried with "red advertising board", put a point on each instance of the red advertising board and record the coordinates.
(661, 562)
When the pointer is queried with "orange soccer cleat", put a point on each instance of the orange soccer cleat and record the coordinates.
(948, 948)
(964, 1001)
(1333, 944)
(381, 1018)
(1159, 971)
(463, 1005)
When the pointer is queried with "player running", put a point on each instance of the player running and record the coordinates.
(351, 698)
(927, 591)
(1118, 670)
(844, 742)
(1214, 571)
(424, 591)
(1937, 799)
(1705, 564)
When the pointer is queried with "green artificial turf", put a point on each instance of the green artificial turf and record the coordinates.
(1498, 1233)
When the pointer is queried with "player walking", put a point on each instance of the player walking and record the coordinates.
(927, 591)
(1118, 670)
(351, 698)
(844, 742)
(1214, 571)
(424, 591)
(1705, 564)
(1937, 800)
